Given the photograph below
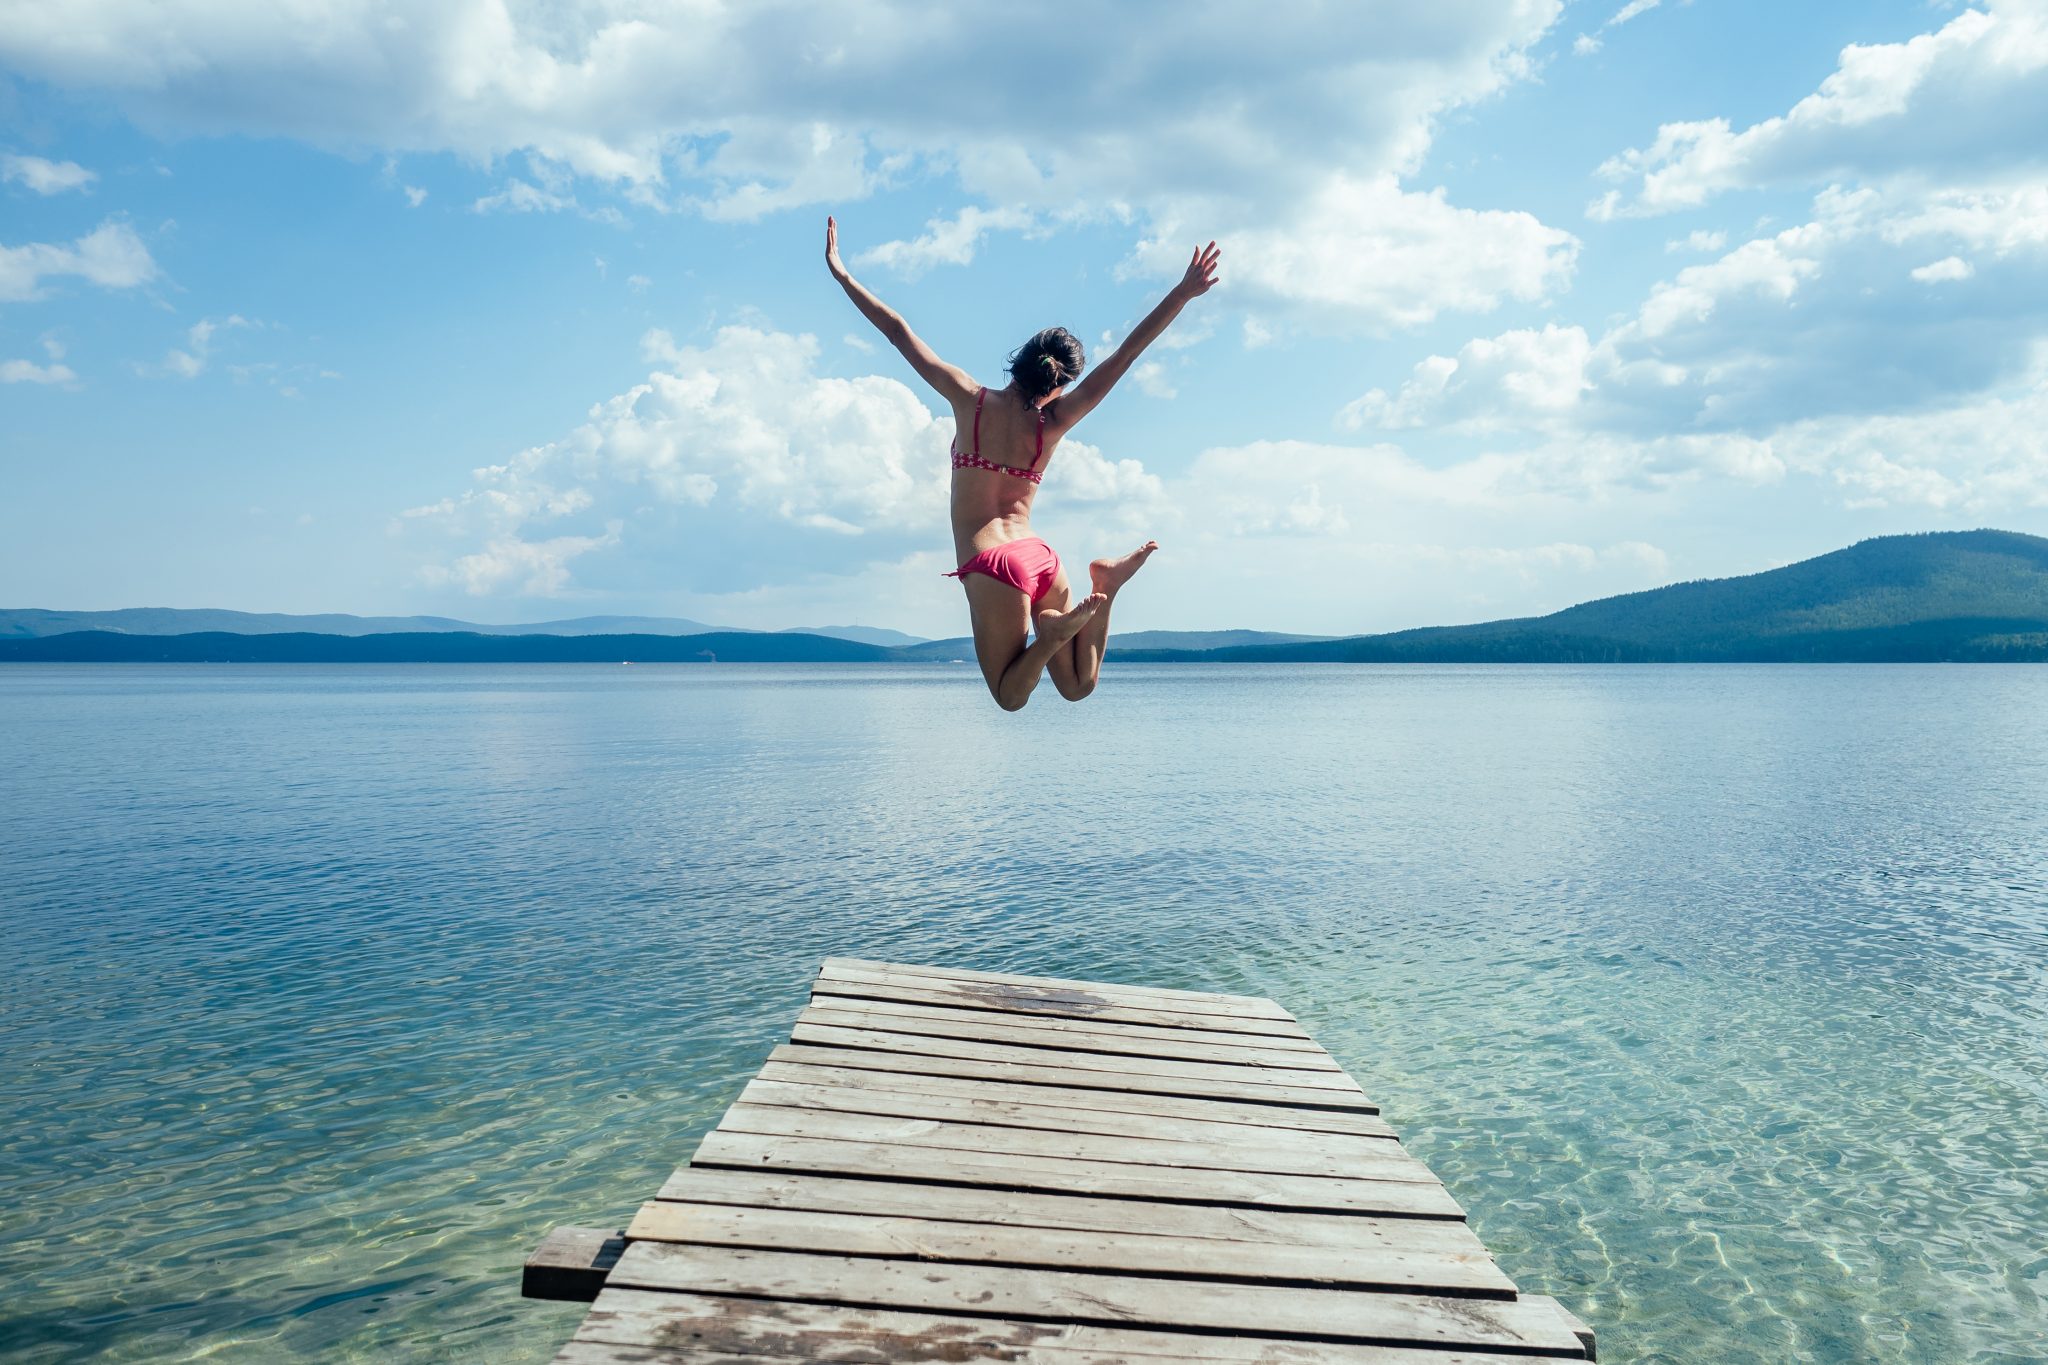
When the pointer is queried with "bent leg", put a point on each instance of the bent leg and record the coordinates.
(1056, 632)
(1061, 665)
(1092, 642)
(1001, 618)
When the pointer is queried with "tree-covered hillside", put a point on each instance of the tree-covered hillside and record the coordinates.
(439, 647)
(1952, 595)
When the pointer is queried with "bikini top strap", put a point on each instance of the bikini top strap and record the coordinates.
(979, 396)
(1041, 439)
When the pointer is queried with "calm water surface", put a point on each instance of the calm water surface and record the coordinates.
(1718, 995)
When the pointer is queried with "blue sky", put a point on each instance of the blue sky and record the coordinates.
(512, 311)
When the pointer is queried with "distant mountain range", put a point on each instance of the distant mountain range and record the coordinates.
(441, 647)
(867, 635)
(31, 623)
(15, 624)
(1951, 596)
(1956, 596)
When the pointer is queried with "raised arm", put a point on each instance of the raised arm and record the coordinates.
(1080, 400)
(951, 381)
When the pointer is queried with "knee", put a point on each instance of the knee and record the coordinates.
(1009, 703)
(1078, 690)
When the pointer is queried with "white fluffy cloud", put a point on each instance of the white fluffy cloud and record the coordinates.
(1832, 317)
(1984, 456)
(1944, 271)
(1306, 488)
(1364, 248)
(746, 432)
(1152, 380)
(945, 241)
(28, 372)
(1701, 239)
(189, 361)
(1960, 105)
(1493, 382)
(110, 256)
(1289, 134)
(517, 196)
(1586, 44)
(44, 176)
(1307, 535)
(533, 568)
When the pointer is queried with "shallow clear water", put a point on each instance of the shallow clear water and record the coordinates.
(1718, 995)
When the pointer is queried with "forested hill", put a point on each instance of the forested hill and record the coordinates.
(1951, 595)
(440, 647)
(22, 622)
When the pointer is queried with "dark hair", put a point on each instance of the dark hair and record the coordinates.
(1047, 361)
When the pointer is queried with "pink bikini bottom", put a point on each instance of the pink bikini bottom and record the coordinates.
(1027, 565)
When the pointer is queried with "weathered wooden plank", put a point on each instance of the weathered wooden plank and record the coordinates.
(1380, 1269)
(1067, 1004)
(915, 1064)
(570, 1264)
(1056, 1024)
(855, 968)
(945, 993)
(1179, 1152)
(1572, 1323)
(1052, 1119)
(860, 1348)
(1065, 1175)
(696, 1329)
(1143, 1067)
(1110, 1300)
(989, 1029)
(1159, 1111)
(1080, 1213)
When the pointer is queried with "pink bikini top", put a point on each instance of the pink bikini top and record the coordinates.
(962, 460)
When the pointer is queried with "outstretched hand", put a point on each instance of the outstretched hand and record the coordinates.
(1201, 273)
(832, 261)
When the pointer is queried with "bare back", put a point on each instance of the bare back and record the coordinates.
(989, 507)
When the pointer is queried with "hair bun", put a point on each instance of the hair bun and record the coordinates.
(1048, 361)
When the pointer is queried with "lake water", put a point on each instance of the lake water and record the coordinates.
(1719, 995)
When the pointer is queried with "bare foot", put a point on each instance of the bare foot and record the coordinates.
(1110, 574)
(1058, 627)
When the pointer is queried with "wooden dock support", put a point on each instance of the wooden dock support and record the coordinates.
(945, 1165)
(570, 1264)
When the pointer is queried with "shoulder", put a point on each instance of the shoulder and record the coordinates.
(966, 398)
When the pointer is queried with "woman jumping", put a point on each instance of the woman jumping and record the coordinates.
(1002, 443)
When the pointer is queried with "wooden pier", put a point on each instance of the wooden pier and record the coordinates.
(946, 1165)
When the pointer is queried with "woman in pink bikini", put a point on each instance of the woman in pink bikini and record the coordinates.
(1002, 442)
